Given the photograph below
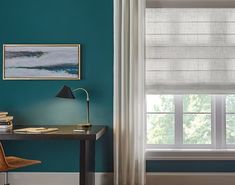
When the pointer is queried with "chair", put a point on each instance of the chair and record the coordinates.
(8, 163)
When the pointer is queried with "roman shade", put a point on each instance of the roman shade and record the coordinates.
(190, 3)
(190, 50)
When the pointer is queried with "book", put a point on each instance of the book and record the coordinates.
(3, 113)
(35, 130)
(5, 128)
(6, 123)
(6, 119)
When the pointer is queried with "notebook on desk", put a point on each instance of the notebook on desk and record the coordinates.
(35, 130)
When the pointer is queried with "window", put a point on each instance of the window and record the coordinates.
(160, 120)
(230, 120)
(195, 121)
(189, 121)
(190, 81)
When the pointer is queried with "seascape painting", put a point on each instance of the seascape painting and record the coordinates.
(41, 62)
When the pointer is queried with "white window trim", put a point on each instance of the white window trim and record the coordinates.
(218, 150)
(179, 129)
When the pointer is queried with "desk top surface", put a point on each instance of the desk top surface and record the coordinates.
(64, 132)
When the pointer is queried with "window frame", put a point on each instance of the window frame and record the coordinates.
(217, 150)
(229, 146)
(220, 150)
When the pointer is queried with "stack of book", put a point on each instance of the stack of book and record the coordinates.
(6, 122)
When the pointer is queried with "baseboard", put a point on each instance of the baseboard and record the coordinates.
(38, 178)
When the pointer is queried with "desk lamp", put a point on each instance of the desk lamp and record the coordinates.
(67, 92)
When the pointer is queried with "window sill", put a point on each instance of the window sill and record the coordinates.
(190, 154)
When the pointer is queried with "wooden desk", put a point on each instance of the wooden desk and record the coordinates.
(87, 144)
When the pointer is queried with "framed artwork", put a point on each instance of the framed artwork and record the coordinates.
(41, 62)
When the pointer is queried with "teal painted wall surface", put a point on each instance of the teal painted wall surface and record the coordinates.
(87, 22)
(191, 166)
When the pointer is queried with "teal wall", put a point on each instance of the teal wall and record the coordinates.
(191, 166)
(88, 22)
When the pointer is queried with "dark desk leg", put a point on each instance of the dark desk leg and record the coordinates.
(87, 162)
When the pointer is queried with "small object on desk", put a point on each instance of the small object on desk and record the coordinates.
(3, 123)
(3, 114)
(35, 130)
(83, 125)
(79, 130)
(6, 122)
(6, 118)
(6, 128)
(67, 92)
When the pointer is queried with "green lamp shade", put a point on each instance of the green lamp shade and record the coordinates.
(66, 92)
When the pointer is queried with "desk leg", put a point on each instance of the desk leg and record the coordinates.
(87, 162)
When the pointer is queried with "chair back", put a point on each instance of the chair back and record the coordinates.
(3, 162)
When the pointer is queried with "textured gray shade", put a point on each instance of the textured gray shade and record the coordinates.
(190, 50)
(66, 92)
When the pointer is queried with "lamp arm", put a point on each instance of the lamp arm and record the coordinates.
(87, 94)
(88, 102)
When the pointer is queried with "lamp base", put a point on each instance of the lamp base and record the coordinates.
(84, 125)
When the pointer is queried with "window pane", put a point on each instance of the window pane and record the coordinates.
(230, 103)
(160, 129)
(160, 103)
(230, 129)
(197, 129)
(197, 103)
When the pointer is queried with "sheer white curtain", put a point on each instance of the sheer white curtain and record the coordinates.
(129, 95)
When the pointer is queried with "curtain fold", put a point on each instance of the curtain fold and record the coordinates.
(129, 92)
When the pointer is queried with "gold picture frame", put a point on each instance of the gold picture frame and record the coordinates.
(41, 62)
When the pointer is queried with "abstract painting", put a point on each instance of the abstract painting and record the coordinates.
(41, 62)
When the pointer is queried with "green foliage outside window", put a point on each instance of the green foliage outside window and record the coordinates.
(230, 119)
(196, 127)
(160, 127)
